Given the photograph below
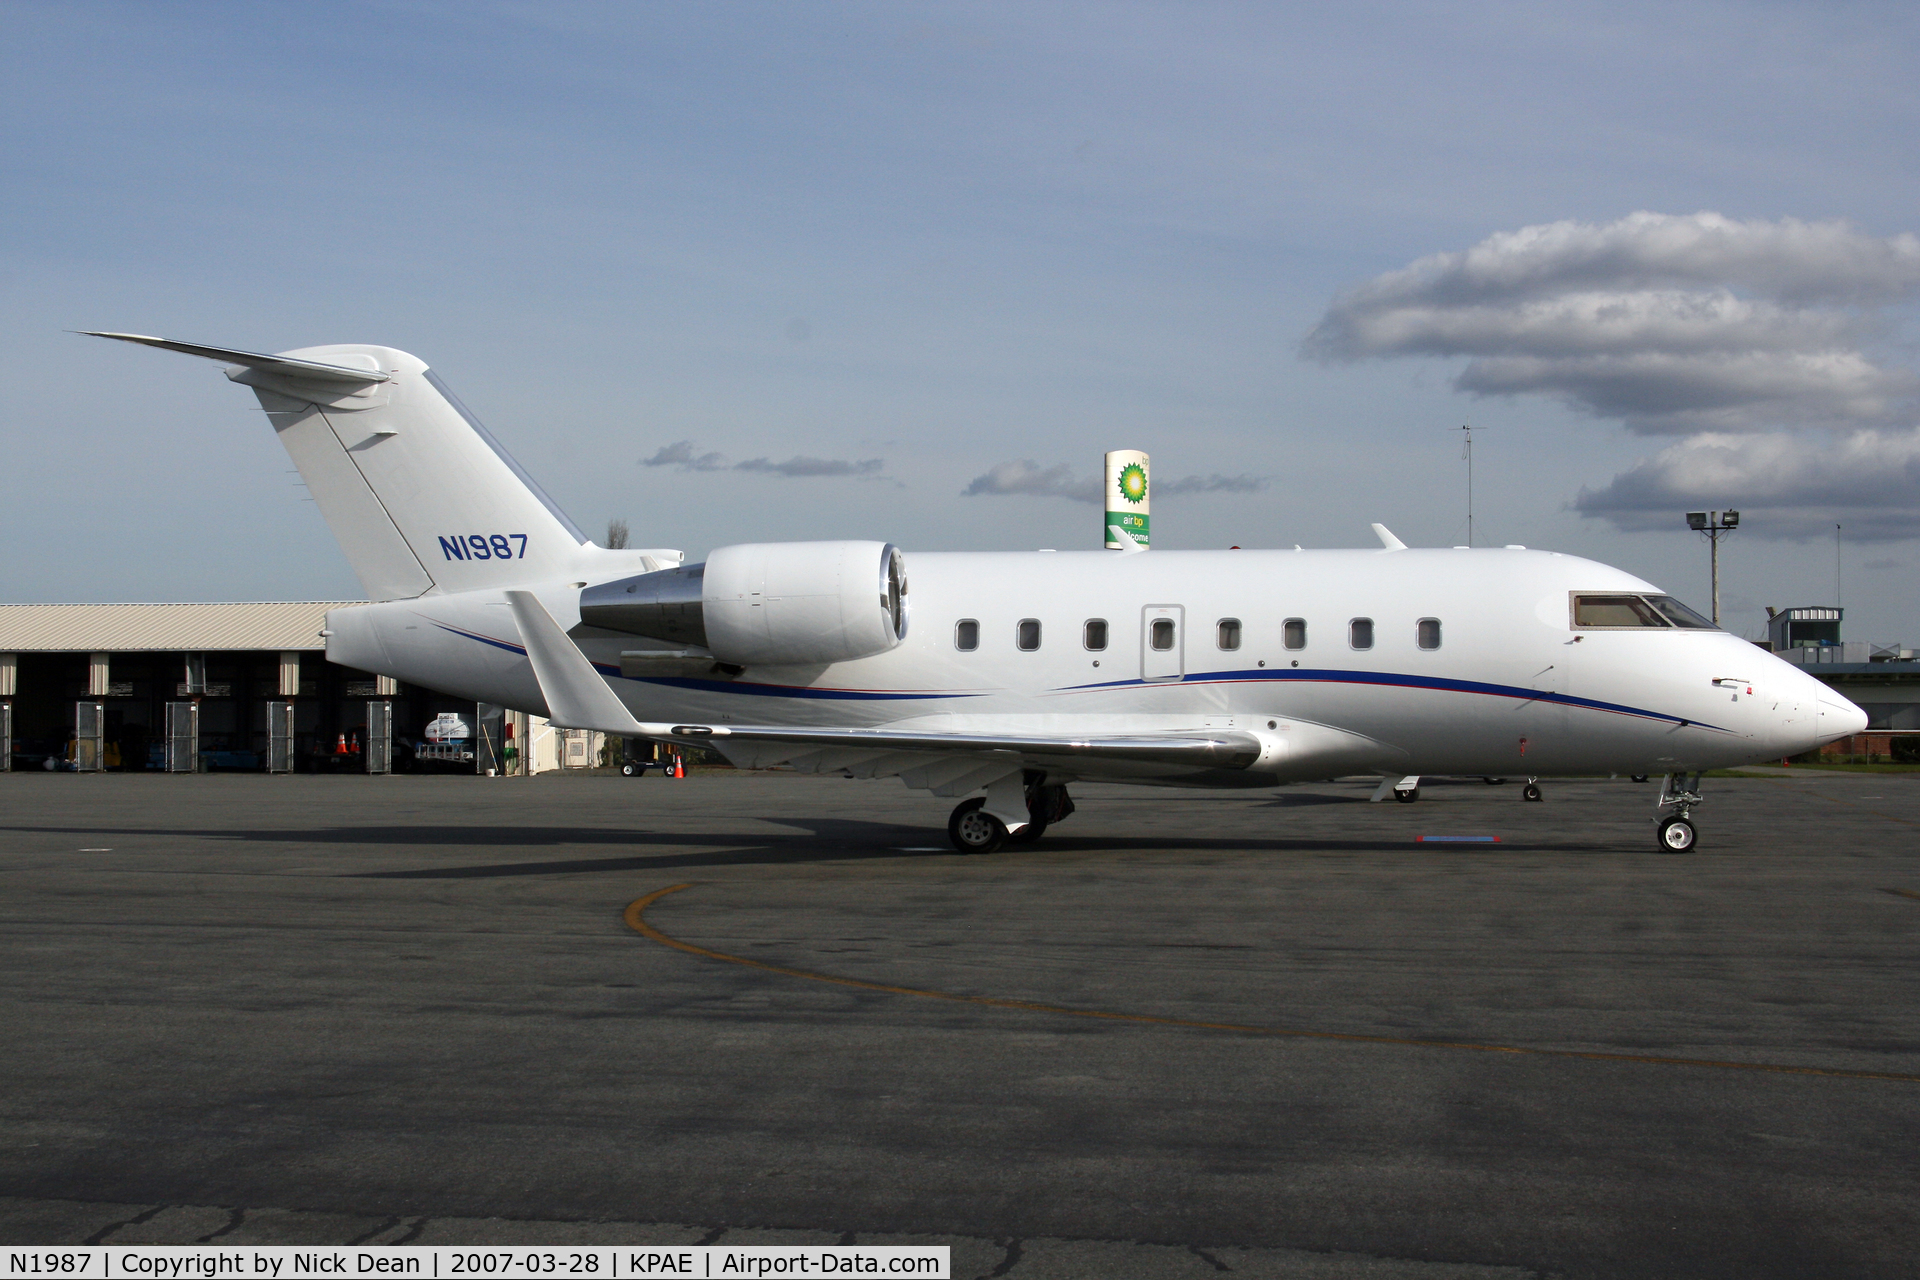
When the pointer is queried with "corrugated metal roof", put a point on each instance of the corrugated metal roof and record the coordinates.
(121, 628)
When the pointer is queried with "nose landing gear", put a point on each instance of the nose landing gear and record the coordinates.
(1675, 833)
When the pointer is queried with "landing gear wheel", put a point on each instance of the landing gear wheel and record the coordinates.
(1530, 792)
(973, 830)
(1493, 782)
(1677, 836)
(1639, 777)
(1408, 796)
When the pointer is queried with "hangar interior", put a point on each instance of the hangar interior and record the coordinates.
(213, 687)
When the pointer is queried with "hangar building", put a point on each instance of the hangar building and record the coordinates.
(201, 687)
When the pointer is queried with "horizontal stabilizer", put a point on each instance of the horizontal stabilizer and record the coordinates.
(254, 360)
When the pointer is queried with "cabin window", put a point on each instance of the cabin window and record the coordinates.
(1027, 634)
(966, 634)
(1360, 633)
(1160, 634)
(1295, 633)
(1094, 634)
(1228, 633)
(1427, 633)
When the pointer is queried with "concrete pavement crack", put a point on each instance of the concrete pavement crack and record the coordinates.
(235, 1217)
(100, 1236)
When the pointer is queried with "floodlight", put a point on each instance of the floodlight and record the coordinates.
(1696, 519)
(1730, 519)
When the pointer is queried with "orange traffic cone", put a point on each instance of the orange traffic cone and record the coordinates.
(340, 749)
(679, 766)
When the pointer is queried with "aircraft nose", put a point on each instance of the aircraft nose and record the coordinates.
(1839, 718)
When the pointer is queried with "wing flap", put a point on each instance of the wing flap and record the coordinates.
(1212, 749)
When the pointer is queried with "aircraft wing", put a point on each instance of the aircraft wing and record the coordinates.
(956, 763)
(1212, 749)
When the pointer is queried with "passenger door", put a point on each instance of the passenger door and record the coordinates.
(1163, 642)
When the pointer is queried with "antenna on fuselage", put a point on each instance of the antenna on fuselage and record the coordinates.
(1467, 453)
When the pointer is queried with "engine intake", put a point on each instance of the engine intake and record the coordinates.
(767, 602)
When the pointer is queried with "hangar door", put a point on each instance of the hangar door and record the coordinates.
(89, 736)
(183, 737)
(279, 737)
(1163, 642)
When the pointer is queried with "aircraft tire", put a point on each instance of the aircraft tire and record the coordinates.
(1639, 777)
(972, 830)
(1677, 836)
(1493, 782)
(1530, 792)
(1408, 796)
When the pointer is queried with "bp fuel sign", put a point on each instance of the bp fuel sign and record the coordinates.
(1127, 486)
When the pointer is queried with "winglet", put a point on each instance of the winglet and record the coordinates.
(286, 365)
(577, 698)
(1387, 539)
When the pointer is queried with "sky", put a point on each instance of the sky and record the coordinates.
(750, 272)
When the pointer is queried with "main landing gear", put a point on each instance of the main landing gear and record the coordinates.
(1679, 791)
(973, 830)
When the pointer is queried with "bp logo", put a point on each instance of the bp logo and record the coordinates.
(1133, 483)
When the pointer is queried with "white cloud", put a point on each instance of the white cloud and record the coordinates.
(1799, 262)
(1029, 478)
(681, 454)
(1660, 392)
(1214, 483)
(805, 466)
(1784, 485)
(1666, 323)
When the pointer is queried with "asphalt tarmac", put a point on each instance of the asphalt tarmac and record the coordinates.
(1186, 1034)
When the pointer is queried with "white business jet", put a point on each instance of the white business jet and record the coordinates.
(1010, 675)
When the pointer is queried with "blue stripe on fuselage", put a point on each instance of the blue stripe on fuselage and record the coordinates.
(1390, 679)
(1386, 679)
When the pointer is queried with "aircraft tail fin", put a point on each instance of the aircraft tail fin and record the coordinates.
(421, 496)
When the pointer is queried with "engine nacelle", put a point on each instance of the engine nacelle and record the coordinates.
(764, 603)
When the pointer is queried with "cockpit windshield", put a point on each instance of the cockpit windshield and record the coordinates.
(1618, 612)
(1679, 615)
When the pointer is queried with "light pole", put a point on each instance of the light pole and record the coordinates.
(1714, 524)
